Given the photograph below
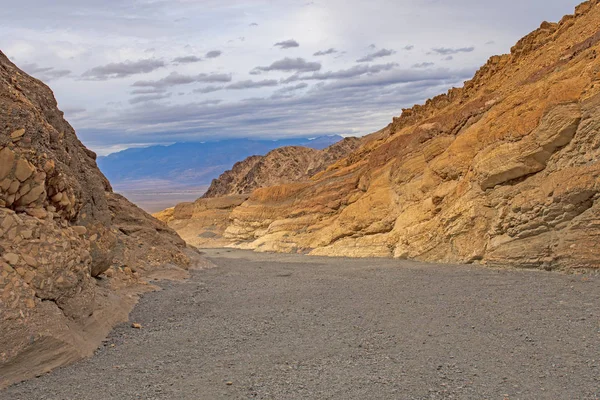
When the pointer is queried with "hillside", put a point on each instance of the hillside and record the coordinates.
(283, 165)
(501, 171)
(192, 164)
(72, 252)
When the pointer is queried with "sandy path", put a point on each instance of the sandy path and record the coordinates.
(297, 327)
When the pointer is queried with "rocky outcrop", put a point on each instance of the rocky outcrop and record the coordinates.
(203, 222)
(504, 170)
(283, 165)
(60, 227)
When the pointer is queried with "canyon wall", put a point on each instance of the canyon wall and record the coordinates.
(501, 171)
(62, 234)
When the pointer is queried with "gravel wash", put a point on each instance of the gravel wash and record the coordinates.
(276, 326)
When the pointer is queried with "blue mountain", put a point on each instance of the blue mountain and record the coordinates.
(193, 163)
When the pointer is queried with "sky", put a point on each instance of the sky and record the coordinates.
(134, 73)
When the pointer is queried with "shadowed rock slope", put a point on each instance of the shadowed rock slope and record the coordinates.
(283, 165)
(60, 227)
(502, 171)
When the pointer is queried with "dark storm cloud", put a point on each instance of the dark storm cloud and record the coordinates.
(45, 74)
(176, 78)
(353, 72)
(290, 89)
(150, 97)
(325, 52)
(214, 54)
(249, 84)
(150, 90)
(423, 65)
(403, 76)
(444, 51)
(377, 54)
(287, 44)
(187, 59)
(289, 65)
(208, 89)
(123, 69)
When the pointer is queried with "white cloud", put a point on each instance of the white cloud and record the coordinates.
(138, 56)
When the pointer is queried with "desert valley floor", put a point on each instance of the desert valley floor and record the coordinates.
(274, 326)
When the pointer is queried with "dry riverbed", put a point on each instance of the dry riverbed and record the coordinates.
(270, 326)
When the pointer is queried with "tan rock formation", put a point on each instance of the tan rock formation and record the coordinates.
(203, 222)
(61, 226)
(503, 171)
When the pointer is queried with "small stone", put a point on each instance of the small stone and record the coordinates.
(5, 184)
(80, 230)
(7, 160)
(28, 277)
(49, 166)
(29, 260)
(23, 170)
(57, 197)
(135, 325)
(229, 383)
(39, 213)
(17, 134)
(30, 303)
(39, 177)
(14, 187)
(11, 258)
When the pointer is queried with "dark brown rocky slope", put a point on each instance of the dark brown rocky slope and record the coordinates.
(60, 227)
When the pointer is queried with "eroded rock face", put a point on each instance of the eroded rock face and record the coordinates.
(283, 165)
(60, 226)
(503, 171)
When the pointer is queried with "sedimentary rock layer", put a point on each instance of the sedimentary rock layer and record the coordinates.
(504, 170)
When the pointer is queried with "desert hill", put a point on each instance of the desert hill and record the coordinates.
(501, 171)
(62, 234)
(283, 165)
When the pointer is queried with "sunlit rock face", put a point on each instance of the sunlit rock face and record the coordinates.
(502, 171)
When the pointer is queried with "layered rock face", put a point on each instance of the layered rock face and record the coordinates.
(502, 171)
(203, 222)
(60, 226)
(283, 165)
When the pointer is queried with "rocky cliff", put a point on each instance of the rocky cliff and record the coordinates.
(62, 231)
(203, 222)
(504, 170)
(283, 165)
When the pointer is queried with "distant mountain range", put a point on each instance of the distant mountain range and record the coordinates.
(193, 164)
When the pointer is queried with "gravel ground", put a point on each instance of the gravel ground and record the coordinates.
(267, 326)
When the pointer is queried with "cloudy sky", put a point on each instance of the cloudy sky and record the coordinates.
(139, 72)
